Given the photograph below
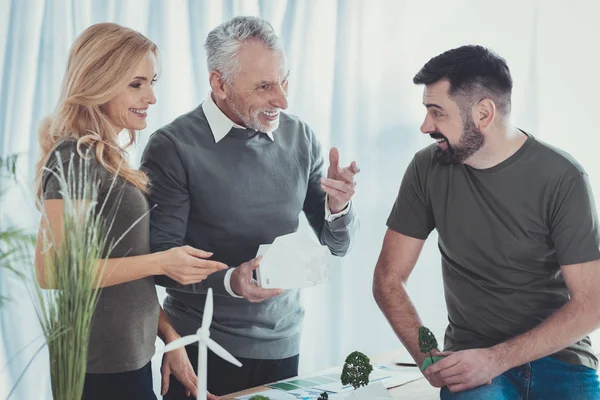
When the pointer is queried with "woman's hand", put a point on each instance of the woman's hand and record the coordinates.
(188, 265)
(176, 362)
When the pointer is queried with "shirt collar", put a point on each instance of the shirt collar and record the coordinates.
(219, 123)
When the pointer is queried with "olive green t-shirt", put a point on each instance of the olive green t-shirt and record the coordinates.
(504, 233)
(125, 322)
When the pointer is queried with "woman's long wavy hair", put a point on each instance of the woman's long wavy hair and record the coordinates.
(101, 62)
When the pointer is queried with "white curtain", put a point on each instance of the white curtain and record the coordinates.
(352, 65)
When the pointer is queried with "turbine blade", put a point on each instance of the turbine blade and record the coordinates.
(221, 352)
(208, 310)
(181, 342)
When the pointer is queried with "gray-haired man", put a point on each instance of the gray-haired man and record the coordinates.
(230, 175)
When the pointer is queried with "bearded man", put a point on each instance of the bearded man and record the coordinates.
(518, 237)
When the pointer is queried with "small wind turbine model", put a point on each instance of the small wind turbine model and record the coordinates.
(204, 341)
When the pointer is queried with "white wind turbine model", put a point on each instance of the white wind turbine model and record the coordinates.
(204, 341)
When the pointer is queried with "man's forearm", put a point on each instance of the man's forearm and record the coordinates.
(395, 303)
(569, 324)
(214, 281)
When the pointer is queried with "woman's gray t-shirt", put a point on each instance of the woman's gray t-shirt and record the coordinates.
(125, 321)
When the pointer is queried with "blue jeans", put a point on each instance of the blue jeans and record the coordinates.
(545, 379)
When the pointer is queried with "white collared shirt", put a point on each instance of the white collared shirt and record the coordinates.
(221, 125)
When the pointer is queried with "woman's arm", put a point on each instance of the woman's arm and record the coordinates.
(175, 362)
(184, 264)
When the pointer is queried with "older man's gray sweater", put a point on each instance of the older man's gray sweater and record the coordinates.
(228, 198)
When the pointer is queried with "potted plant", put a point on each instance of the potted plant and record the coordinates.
(74, 267)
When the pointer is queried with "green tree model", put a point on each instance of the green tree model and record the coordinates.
(323, 396)
(357, 369)
(427, 341)
(427, 344)
(259, 397)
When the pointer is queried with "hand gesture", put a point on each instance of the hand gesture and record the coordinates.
(188, 265)
(339, 184)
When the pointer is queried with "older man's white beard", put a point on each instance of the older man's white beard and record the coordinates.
(256, 124)
(253, 122)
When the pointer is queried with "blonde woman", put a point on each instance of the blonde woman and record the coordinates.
(107, 90)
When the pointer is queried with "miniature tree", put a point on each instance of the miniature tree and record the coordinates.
(427, 344)
(427, 341)
(259, 397)
(323, 396)
(357, 369)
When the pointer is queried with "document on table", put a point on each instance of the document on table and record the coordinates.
(375, 391)
(271, 394)
(310, 386)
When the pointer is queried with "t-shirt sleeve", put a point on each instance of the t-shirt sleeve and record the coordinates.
(574, 222)
(67, 170)
(411, 214)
